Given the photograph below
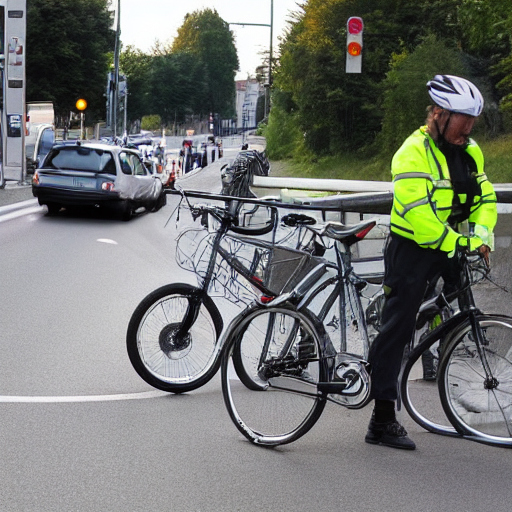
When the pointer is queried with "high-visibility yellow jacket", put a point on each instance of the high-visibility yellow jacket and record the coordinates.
(423, 195)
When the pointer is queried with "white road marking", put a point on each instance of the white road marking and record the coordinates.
(106, 241)
(85, 398)
(20, 213)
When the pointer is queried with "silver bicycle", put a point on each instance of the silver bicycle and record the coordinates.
(280, 367)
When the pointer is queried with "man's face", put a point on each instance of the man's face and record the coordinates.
(455, 127)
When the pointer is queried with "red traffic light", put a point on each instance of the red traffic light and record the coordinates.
(354, 49)
(355, 25)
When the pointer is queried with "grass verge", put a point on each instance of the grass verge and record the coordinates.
(497, 153)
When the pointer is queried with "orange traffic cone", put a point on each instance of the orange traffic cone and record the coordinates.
(172, 177)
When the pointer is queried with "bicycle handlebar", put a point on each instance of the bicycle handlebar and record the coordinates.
(250, 200)
(226, 214)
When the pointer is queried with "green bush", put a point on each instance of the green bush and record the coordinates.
(283, 134)
(151, 123)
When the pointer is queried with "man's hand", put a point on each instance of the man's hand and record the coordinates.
(485, 250)
(470, 244)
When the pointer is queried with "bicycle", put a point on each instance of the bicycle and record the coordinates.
(279, 369)
(173, 337)
(473, 351)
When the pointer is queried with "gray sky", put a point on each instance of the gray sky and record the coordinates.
(145, 21)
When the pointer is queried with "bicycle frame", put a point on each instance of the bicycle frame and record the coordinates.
(225, 224)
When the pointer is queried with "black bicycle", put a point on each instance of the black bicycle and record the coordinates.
(173, 334)
(173, 338)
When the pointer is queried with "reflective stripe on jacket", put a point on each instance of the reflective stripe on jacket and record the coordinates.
(423, 195)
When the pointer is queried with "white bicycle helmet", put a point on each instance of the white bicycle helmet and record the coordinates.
(456, 95)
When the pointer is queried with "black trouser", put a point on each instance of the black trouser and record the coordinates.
(408, 271)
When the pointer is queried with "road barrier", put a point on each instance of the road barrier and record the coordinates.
(355, 196)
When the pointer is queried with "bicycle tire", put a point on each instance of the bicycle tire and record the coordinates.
(477, 407)
(149, 340)
(275, 401)
(421, 398)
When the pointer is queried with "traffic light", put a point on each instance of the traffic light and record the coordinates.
(354, 44)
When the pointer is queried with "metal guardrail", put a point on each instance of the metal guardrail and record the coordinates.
(358, 196)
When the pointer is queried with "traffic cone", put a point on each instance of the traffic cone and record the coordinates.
(172, 177)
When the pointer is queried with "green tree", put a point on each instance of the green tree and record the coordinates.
(136, 65)
(206, 37)
(487, 29)
(337, 111)
(176, 86)
(405, 96)
(69, 53)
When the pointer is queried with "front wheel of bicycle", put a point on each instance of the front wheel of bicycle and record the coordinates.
(165, 358)
(270, 371)
(475, 383)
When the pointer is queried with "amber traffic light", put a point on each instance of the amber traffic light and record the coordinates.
(354, 44)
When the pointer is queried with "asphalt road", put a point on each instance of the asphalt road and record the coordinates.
(80, 431)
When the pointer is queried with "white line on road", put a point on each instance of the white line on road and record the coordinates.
(86, 398)
(106, 241)
(20, 213)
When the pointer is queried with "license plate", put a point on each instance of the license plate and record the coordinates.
(69, 181)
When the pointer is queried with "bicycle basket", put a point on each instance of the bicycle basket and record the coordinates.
(192, 250)
(278, 268)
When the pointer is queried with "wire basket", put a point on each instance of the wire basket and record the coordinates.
(249, 264)
(276, 268)
(193, 253)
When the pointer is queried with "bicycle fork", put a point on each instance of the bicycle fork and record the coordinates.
(182, 337)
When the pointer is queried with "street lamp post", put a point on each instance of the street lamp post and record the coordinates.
(115, 85)
(271, 26)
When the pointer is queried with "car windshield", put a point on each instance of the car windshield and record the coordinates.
(81, 159)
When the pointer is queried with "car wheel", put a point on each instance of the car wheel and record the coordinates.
(126, 210)
(159, 203)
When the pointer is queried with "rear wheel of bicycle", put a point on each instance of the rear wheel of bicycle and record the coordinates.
(475, 383)
(164, 359)
(270, 371)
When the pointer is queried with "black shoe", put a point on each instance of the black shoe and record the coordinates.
(390, 433)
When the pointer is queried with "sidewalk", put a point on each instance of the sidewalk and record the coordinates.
(14, 193)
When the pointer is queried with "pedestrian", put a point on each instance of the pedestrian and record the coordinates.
(439, 187)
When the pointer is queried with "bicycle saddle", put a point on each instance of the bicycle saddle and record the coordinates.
(346, 234)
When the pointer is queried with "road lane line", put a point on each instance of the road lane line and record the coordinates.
(85, 398)
(20, 213)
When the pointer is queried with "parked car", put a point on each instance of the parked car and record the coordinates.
(91, 174)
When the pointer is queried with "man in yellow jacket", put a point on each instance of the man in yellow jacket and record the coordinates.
(442, 201)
